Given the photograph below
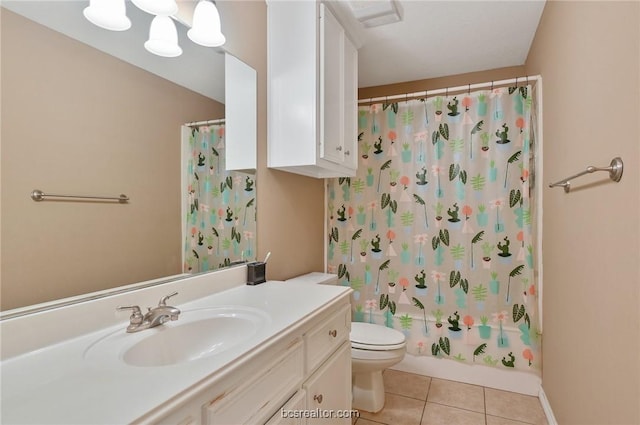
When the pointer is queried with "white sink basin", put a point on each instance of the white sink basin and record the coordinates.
(195, 335)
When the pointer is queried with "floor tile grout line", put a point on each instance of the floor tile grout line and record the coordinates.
(513, 420)
(484, 399)
(424, 407)
(371, 420)
(374, 421)
(456, 407)
(404, 395)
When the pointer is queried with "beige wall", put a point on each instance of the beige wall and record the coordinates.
(290, 207)
(75, 120)
(588, 54)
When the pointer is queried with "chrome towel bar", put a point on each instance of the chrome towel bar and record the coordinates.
(38, 195)
(614, 169)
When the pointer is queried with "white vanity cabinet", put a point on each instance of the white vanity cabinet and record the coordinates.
(306, 371)
(312, 91)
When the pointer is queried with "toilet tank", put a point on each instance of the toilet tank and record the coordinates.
(316, 277)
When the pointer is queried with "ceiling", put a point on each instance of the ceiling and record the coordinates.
(441, 38)
(433, 39)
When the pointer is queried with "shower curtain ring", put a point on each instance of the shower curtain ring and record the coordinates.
(469, 89)
(516, 82)
(491, 85)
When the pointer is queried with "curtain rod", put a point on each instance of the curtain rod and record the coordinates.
(197, 123)
(468, 87)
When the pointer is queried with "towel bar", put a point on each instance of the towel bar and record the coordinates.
(615, 173)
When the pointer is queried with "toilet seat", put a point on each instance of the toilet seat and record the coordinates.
(371, 347)
(367, 336)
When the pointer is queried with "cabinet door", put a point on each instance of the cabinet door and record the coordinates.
(292, 413)
(331, 87)
(350, 143)
(329, 389)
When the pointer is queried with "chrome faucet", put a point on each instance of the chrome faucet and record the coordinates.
(154, 316)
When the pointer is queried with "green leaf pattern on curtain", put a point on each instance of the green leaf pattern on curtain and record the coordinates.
(434, 233)
(220, 205)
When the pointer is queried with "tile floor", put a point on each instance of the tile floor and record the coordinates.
(420, 400)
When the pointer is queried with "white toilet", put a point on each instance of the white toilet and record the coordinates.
(373, 349)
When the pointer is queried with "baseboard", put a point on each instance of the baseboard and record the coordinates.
(513, 380)
(544, 401)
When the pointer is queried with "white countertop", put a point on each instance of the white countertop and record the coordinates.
(57, 384)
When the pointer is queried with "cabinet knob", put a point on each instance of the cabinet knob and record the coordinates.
(333, 333)
(339, 148)
(318, 398)
(347, 152)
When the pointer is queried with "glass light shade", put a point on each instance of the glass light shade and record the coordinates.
(108, 14)
(163, 38)
(157, 7)
(206, 25)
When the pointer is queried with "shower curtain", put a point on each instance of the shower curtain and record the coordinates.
(219, 206)
(434, 234)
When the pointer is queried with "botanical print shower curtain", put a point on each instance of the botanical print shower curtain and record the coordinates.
(219, 211)
(434, 233)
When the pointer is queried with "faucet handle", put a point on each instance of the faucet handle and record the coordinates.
(163, 300)
(136, 317)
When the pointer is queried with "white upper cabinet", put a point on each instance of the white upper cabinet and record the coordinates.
(312, 93)
(350, 115)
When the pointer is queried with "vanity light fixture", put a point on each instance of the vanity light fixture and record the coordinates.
(108, 14)
(163, 38)
(206, 25)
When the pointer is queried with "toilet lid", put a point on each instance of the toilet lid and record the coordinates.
(372, 337)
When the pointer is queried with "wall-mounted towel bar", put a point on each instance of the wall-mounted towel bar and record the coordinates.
(38, 195)
(614, 169)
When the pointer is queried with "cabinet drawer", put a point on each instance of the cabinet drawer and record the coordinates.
(326, 337)
(257, 399)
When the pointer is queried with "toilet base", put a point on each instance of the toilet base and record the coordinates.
(368, 391)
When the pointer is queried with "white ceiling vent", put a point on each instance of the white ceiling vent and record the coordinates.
(373, 13)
